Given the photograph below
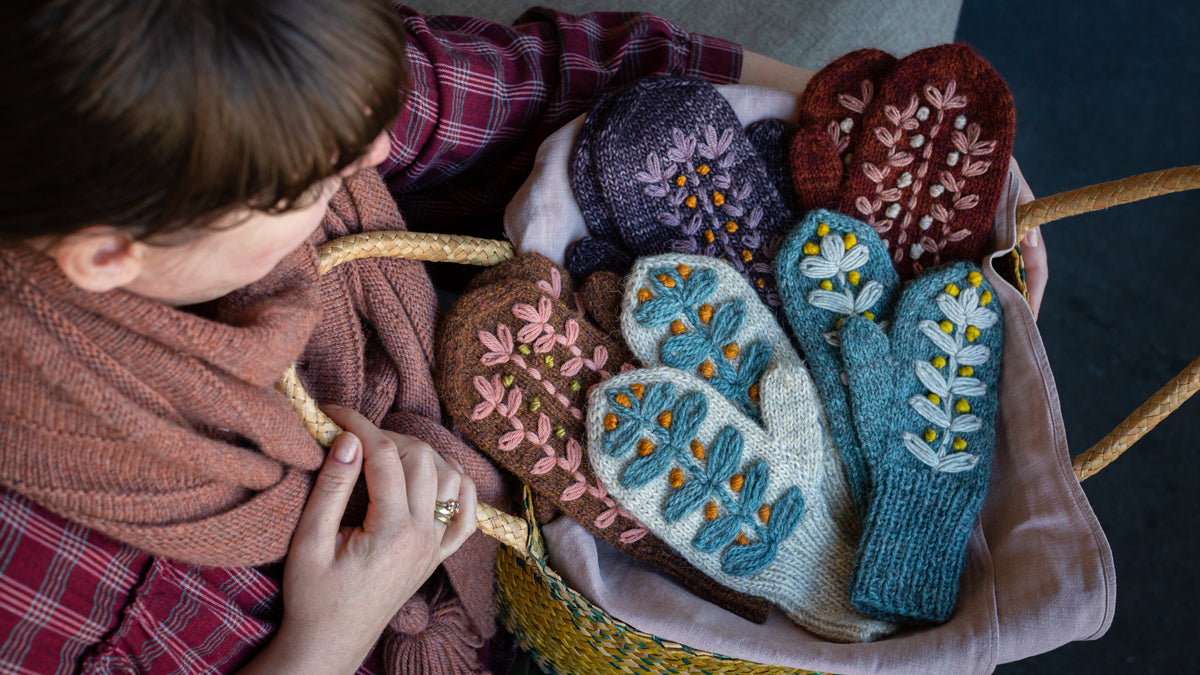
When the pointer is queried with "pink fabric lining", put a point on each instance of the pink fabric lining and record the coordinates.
(1039, 570)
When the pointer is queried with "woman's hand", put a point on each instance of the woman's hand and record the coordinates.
(341, 585)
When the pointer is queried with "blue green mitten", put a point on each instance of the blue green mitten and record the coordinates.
(724, 453)
(831, 267)
(924, 400)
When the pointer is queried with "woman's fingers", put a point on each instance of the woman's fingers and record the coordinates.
(463, 525)
(316, 532)
(385, 472)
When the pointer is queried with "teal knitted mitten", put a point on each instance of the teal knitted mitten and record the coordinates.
(725, 454)
(831, 267)
(924, 398)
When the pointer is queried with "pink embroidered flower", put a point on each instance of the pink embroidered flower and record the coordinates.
(500, 345)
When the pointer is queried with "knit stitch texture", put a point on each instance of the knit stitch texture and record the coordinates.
(516, 360)
(732, 424)
(831, 267)
(664, 165)
(931, 160)
(924, 399)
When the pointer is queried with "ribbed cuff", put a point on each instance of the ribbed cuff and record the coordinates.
(913, 549)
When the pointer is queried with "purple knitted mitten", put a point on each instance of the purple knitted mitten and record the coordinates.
(664, 166)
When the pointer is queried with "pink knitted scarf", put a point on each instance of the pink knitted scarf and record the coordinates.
(161, 428)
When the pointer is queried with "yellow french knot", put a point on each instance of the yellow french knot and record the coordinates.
(975, 278)
(946, 326)
(706, 369)
(853, 276)
(822, 229)
(677, 327)
(850, 240)
(664, 419)
(610, 421)
(811, 249)
(709, 237)
(622, 399)
(764, 513)
(718, 198)
(666, 280)
(731, 350)
(736, 483)
(681, 180)
(684, 271)
(972, 333)
(731, 227)
(676, 478)
(706, 312)
(962, 406)
(826, 285)
(703, 169)
(645, 447)
(930, 435)
(638, 389)
(644, 295)
(959, 443)
(697, 449)
(747, 256)
(691, 202)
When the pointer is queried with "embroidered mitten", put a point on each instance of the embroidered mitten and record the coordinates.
(831, 111)
(742, 502)
(924, 399)
(515, 363)
(932, 159)
(771, 139)
(831, 267)
(732, 424)
(664, 165)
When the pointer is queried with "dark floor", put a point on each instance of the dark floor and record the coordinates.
(1104, 90)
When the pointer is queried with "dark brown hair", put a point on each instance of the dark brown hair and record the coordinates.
(160, 115)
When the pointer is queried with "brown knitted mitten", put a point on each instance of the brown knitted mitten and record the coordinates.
(831, 114)
(931, 160)
(515, 363)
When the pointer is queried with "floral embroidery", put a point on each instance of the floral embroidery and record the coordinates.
(835, 261)
(500, 397)
(706, 203)
(704, 335)
(659, 429)
(839, 132)
(911, 168)
(948, 378)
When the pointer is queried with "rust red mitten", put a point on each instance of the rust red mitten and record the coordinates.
(931, 160)
(515, 363)
(831, 113)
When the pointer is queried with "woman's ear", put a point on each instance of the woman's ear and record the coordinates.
(98, 258)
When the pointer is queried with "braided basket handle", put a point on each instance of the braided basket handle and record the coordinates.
(514, 531)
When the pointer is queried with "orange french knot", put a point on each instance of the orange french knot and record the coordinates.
(676, 478)
(645, 295)
(622, 399)
(684, 271)
(706, 312)
(666, 280)
(610, 421)
(753, 392)
(664, 419)
(741, 539)
(710, 511)
(706, 369)
(697, 449)
(736, 482)
(731, 350)
(709, 237)
(645, 447)
(678, 327)
(731, 227)
(764, 513)
(638, 389)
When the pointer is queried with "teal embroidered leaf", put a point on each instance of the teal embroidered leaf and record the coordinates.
(645, 468)
(740, 561)
(786, 514)
(754, 486)
(727, 320)
(685, 499)
(686, 350)
(686, 418)
(724, 455)
(620, 441)
(716, 533)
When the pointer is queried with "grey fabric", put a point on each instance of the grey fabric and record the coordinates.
(806, 33)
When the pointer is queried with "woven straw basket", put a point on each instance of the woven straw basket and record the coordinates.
(559, 627)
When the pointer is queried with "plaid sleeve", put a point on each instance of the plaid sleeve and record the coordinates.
(485, 95)
(72, 600)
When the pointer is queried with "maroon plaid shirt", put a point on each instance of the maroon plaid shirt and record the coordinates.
(484, 96)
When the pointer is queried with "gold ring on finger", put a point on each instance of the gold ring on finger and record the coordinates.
(445, 511)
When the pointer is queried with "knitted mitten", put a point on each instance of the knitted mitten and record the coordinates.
(663, 166)
(831, 112)
(515, 363)
(932, 161)
(601, 295)
(924, 398)
(724, 452)
(831, 267)
(771, 139)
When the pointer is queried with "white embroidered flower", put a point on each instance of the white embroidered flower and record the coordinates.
(834, 258)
